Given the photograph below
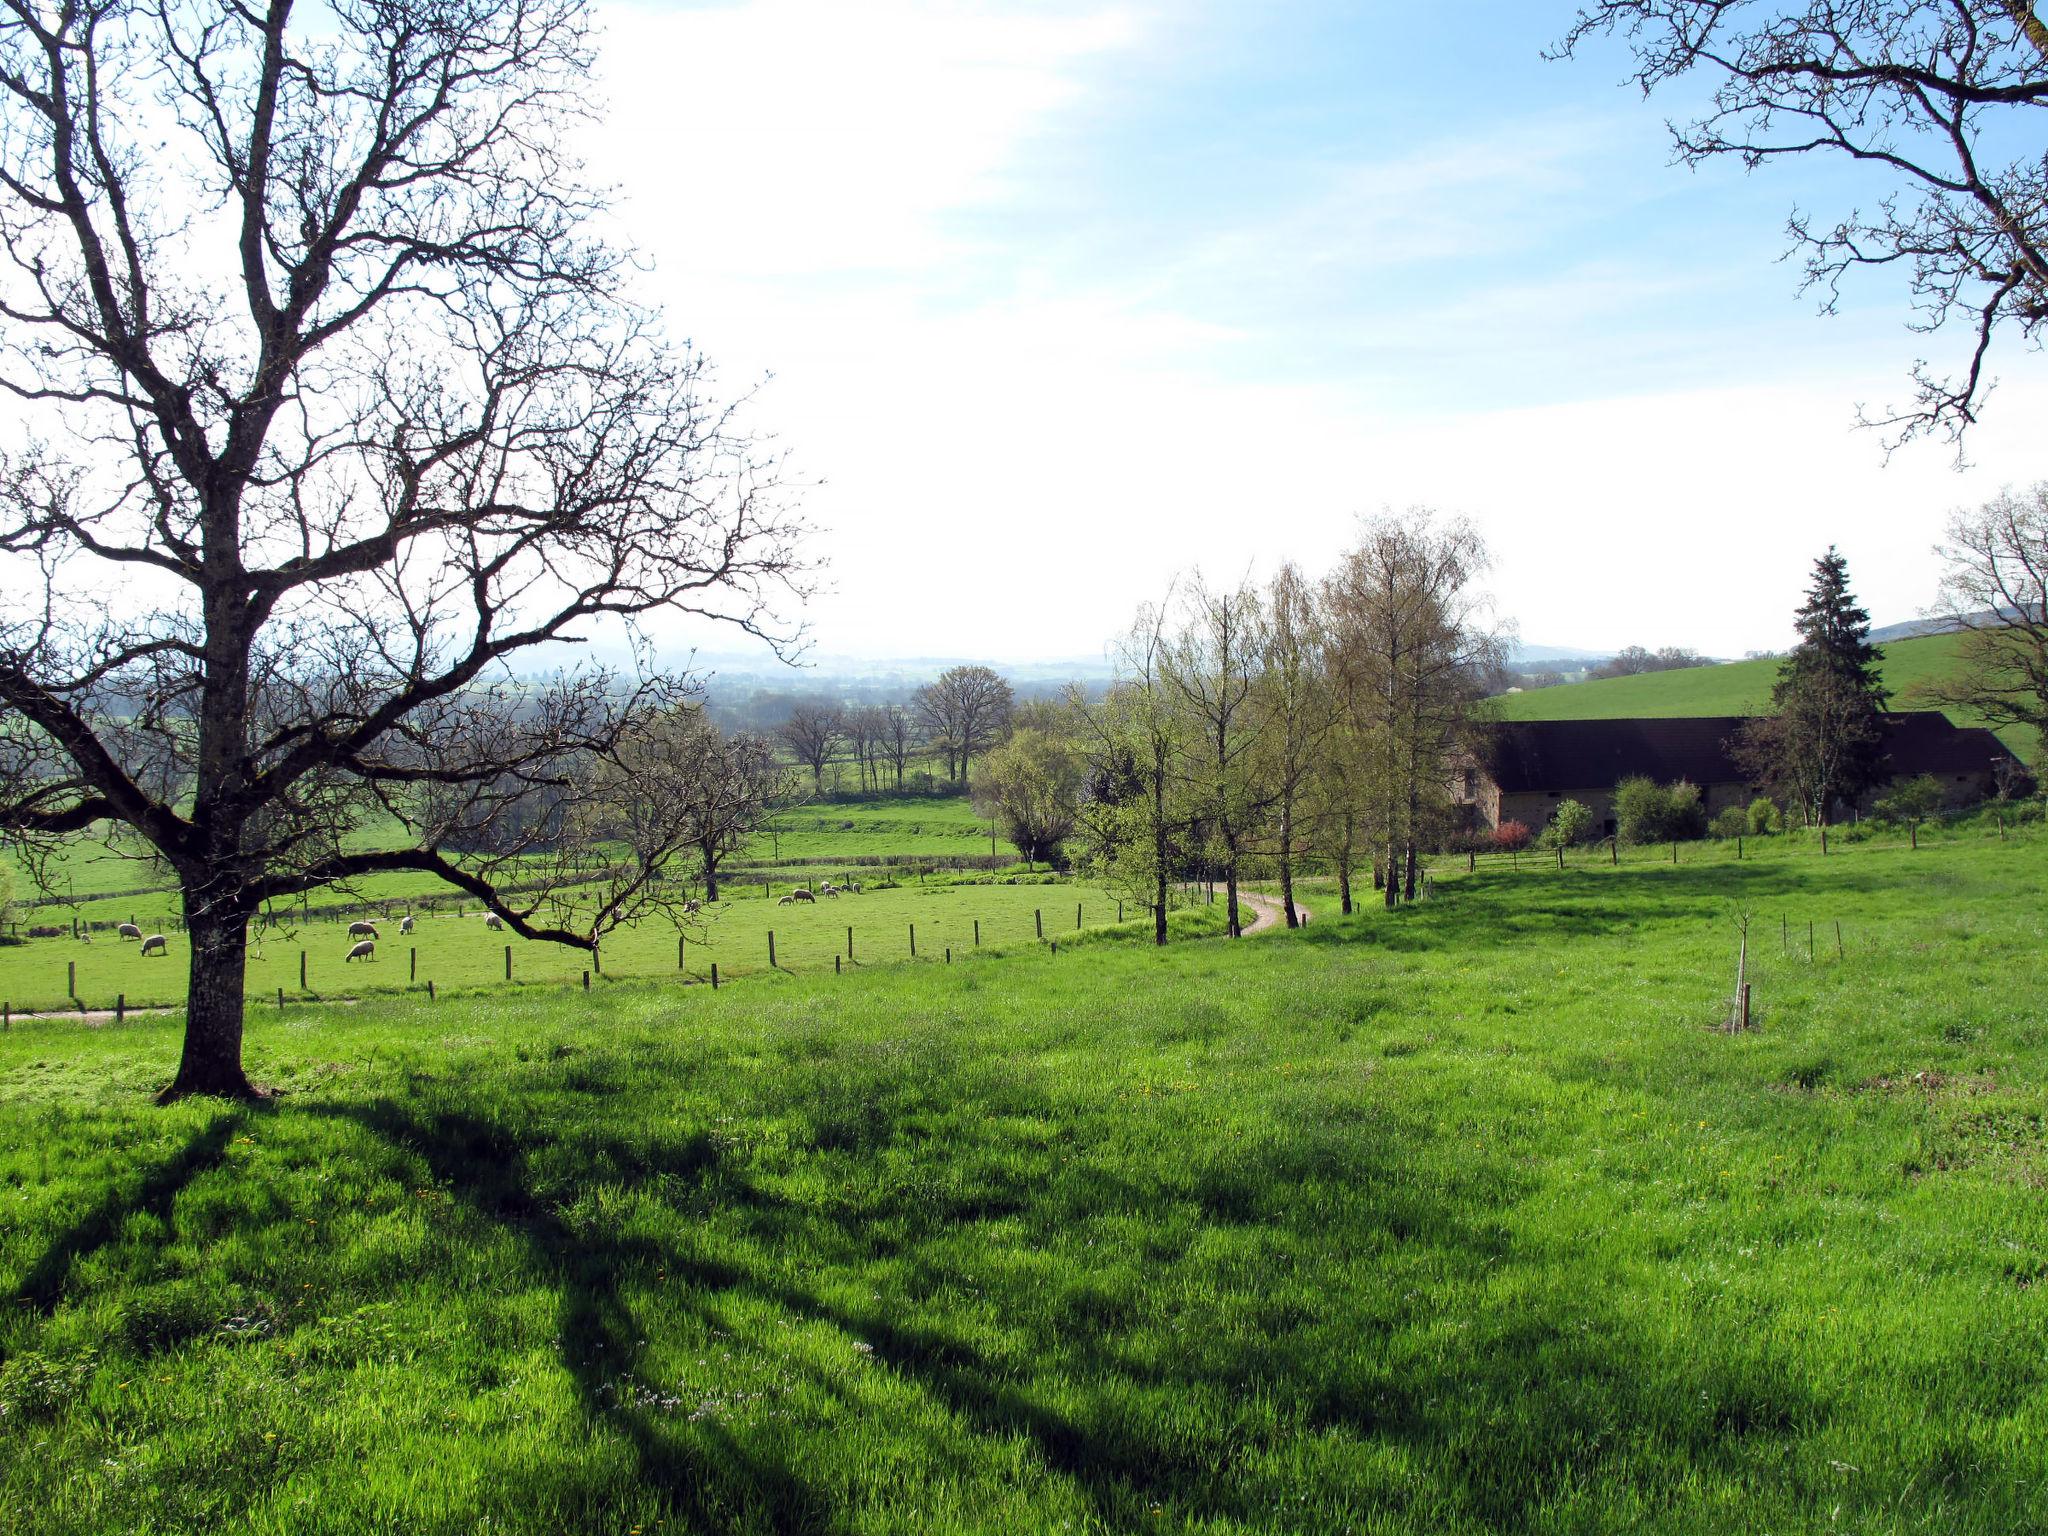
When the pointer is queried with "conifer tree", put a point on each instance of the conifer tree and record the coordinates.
(1823, 742)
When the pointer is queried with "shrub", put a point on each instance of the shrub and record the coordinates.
(1763, 816)
(1647, 812)
(1911, 801)
(1511, 836)
(1569, 823)
(1731, 822)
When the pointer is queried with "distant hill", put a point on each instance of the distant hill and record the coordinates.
(1735, 688)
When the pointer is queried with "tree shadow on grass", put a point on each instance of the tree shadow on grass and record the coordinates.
(1097, 1403)
(153, 1193)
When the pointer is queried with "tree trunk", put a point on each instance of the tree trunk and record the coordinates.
(212, 1060)
(1158, 845)
(1344, 866)
(1287, 864)
(1408, 885)
(1391, 870)
(710, 877)
(1230, 898)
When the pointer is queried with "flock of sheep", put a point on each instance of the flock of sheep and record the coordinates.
(364, 932)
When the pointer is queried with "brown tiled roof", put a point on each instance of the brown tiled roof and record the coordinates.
(1597, 754)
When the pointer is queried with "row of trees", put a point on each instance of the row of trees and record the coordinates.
(957, 716)
(1301, 717)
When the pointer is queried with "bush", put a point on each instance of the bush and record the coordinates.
(1911, 801)
(1511, 836)
(1569, 823)
(1730, 823)
(1763, 816)
(1647, 812)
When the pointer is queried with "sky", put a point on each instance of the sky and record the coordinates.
(1051, 302)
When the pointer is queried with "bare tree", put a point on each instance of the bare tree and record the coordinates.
(333, 383)
(1132, 814)
(899, 740)
(1413, 640)
(1211, 666)
(1938, 94)
(720, 789)
(812, 732)
(1996, 591)
(966, 710)
(1297, 715)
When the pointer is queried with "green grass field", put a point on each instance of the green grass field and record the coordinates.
(1464, 1219)
(458, 953)
(1738, 688)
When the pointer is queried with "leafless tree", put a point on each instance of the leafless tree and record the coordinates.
(867, 734)
(332, 409)
(1937, 94)
(1211, 666)
(1132, 814)
(1297, 715)
(812, 732)
(1996, 592)
(966, 710)
(899, 740)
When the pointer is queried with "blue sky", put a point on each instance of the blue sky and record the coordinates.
(1060, 299)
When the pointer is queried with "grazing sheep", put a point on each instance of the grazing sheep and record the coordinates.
(405, 925)
(801, 896)
(367, 950)
(363, 931)
(129, 931)
(785, 901)
(492, 920)
(692, 908)
(156, 944)
(852, 886)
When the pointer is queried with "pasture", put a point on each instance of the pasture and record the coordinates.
(1736, 688)
(460, 953)
(1464, 1218)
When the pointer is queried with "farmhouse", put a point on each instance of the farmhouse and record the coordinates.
(1528, 767)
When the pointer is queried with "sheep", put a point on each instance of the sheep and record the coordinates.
(801, 895)
(367, 950)
(405, 925)
(692, 908)
(492, 920)
(129, 931)
(785, 901)
(156, 944)
(828, 889)
(363, 930)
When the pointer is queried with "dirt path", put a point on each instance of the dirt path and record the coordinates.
(1266, 912)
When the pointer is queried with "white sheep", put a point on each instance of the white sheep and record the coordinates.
(367, 950)
(692, 908)
(156, 944)
(492, 920)
(785, 901)
(129, 931)
(363, 930)
(828, 889)
(405, 925)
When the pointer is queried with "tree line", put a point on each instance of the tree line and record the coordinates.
(1302, 717)
(956, 718)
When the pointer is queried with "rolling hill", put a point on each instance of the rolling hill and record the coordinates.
(1735, 688)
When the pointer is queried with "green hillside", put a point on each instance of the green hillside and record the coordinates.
(1738, 688)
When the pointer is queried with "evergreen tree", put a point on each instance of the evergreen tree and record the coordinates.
(1823, 742)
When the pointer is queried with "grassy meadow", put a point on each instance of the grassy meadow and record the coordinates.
(1459, 1219)
(1737, 688)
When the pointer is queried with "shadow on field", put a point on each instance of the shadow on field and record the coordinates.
(1549, 906)
(153, 1194)
(1527, 1402)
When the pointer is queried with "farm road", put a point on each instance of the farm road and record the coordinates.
(1266, 912)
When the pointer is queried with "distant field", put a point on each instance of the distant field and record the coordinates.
(460, 953)
(1459, 1220)
(1738, 688)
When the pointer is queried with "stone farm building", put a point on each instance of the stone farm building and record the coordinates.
(1529, 766)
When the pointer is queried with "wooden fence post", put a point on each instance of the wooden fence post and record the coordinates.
(849, 941)
(835, 965)
(913, 941)
(586, 981)
(120, 1006)
(412, 964)
(714, 975)
(280, 999)
(977, 933)
(679, 951)
(302, 970)
(771, 949)
(71, 975)
(508, 962)
(1077, 917)
(430, 989)
(1038, 916)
